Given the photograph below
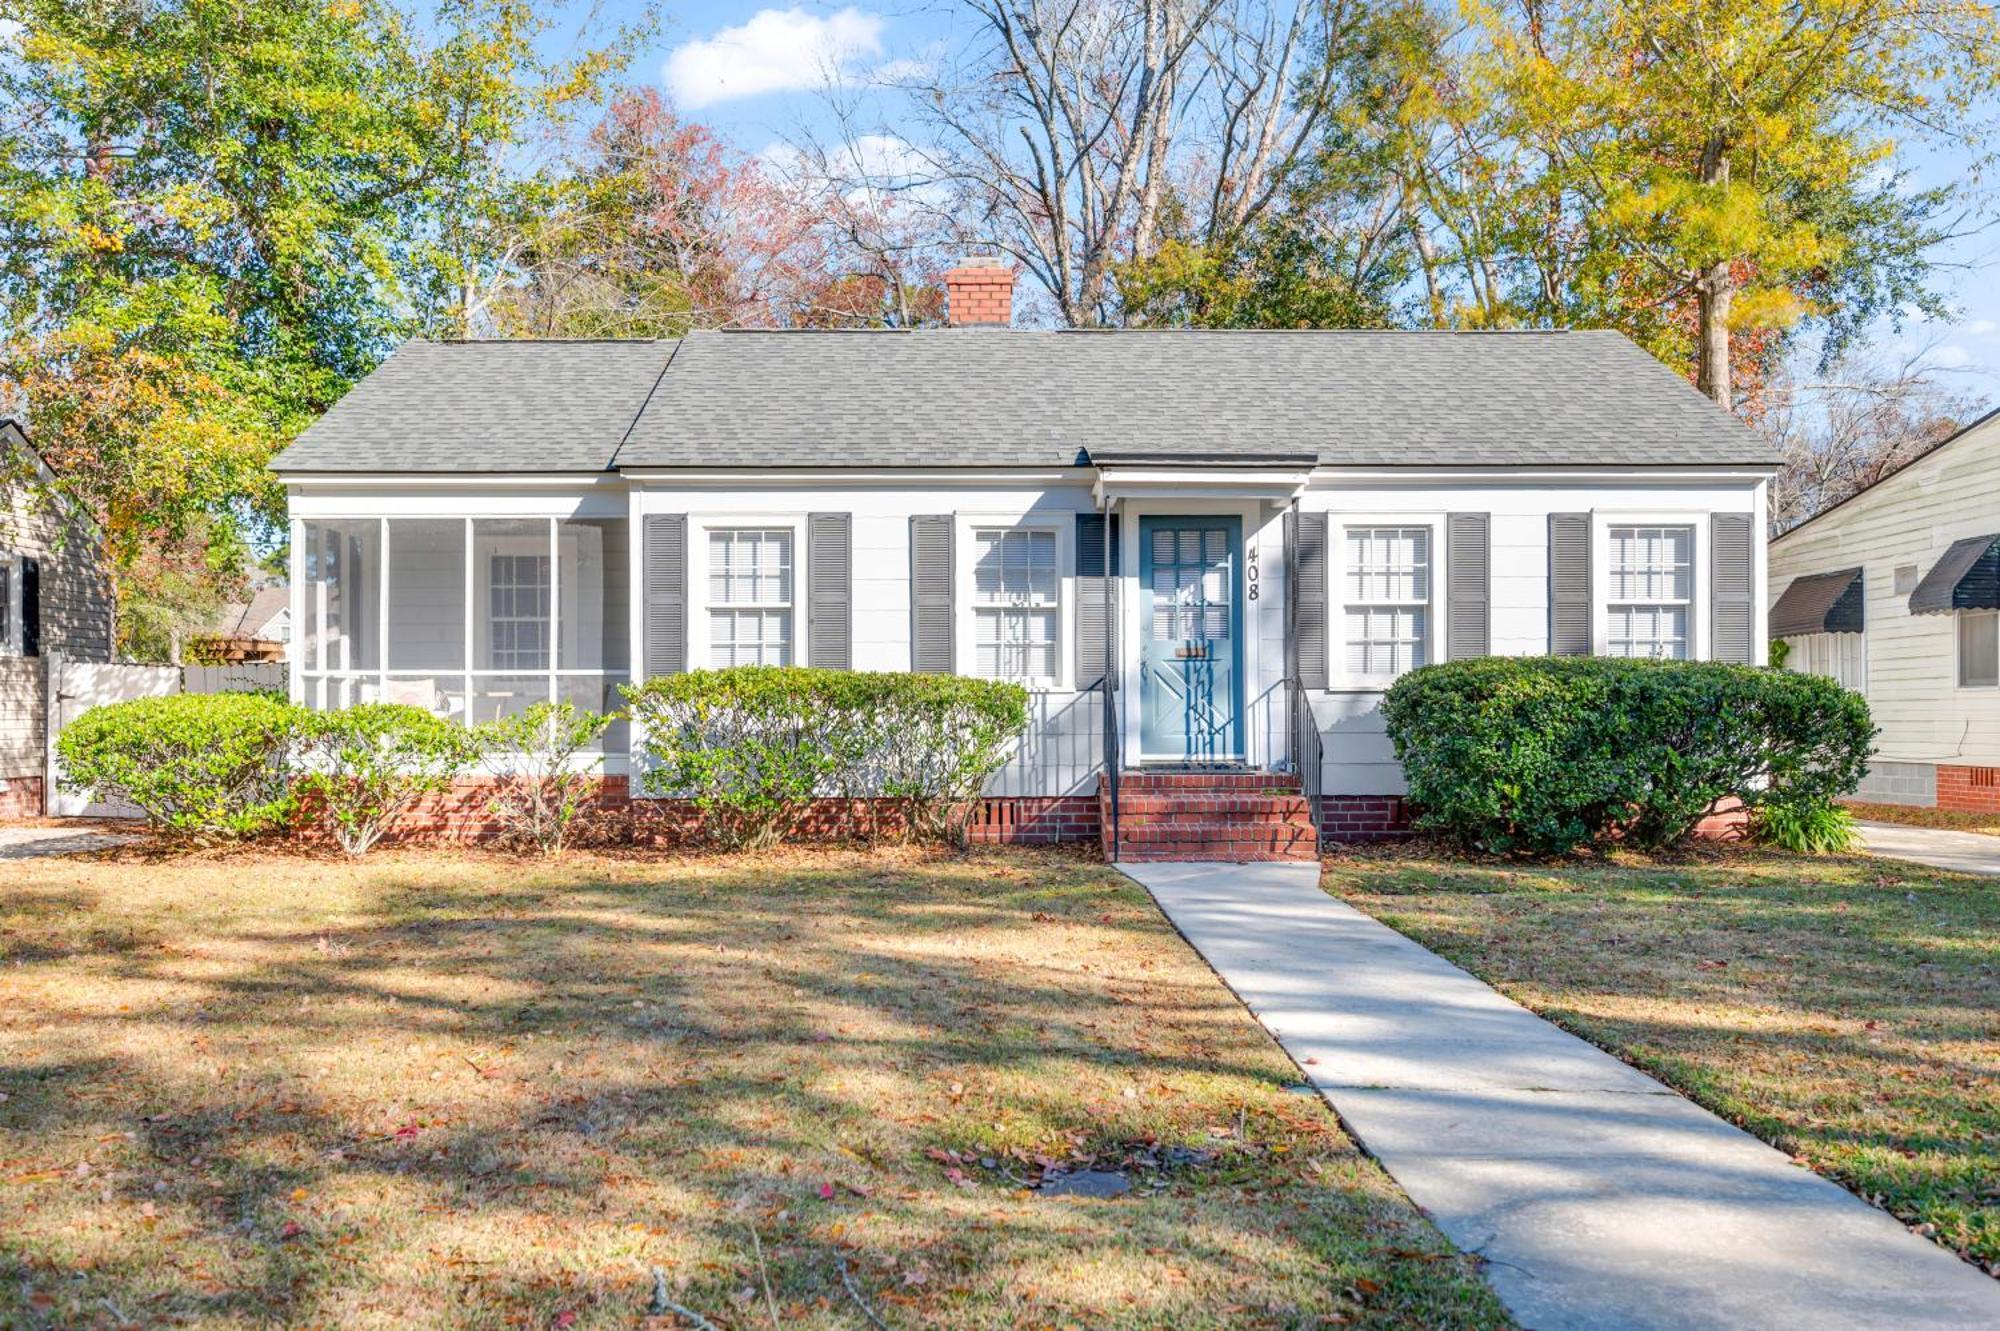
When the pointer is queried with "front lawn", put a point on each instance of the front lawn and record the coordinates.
(436, 1091)
(1847, 1010)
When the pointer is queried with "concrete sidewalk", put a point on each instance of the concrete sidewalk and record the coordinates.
(1600, 1198)
(1941, 848)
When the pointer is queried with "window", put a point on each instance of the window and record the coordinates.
(517, 594)
(1652, 589)
(749, 598)
(1388, 577)
(10, 623)
(1015, 591)
(1979, 650)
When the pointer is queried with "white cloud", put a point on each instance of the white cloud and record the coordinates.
(778, 50)
(1950, 357)
(1982, 328)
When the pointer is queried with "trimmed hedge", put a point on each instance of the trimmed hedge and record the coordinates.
(202, 768)
(367, 765)
(752, 746)
(1544, 755)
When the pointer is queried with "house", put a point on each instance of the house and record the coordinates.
(55, 600)
(1895, 592)
(259, 629)
(1295, 518)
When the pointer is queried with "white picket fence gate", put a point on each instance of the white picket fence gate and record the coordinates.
(77, 686)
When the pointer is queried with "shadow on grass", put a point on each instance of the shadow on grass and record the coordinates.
(486, 1092)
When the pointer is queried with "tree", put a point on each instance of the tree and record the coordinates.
(1065, 131)
(1840, 433)
(214, 217)
(656, 226)
(1726, 157)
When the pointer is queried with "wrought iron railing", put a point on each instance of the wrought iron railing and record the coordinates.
(1309, 755)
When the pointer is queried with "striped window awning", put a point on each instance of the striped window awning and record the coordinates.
(1819, 603)
(1967, 577)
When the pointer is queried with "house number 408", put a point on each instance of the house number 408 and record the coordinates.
(1250, 570)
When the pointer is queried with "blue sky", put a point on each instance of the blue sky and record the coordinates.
(750, 71)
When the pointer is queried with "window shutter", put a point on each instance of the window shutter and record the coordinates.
(666, 594)
(1096, 576)
(931, 628)
(31, 606)
(830, 590)
(1468, 585)
(1731, 621)
(1309, 600)
(1569, 584)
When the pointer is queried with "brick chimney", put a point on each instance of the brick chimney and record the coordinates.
(979, 294)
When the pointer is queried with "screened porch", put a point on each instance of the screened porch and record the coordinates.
(471, 618)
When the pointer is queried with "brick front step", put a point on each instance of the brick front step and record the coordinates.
(1145, 782)
(1234, 816)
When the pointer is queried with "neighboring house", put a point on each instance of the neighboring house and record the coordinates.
(1299, 518)
(55, 598)
(1895, 592)
(259, 629)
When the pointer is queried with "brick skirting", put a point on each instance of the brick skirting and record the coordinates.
(1352, 819)
(22, 798)
(612, 816)
(1968, 789)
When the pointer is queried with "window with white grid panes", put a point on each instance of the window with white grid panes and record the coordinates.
(1651, 592)
(750, 597)
(1387, 571)
(1016, 605)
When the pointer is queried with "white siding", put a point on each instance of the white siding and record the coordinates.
(1909, 520)
(1359, 757)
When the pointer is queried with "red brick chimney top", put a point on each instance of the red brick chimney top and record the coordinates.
(980, 294)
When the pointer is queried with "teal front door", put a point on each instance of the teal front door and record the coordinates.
(1190, 658)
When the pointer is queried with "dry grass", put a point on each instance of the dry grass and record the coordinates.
(1847, 1010)
(1913, 816)
(431, 1091)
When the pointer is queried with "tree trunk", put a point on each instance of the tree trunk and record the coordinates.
(1714, 290)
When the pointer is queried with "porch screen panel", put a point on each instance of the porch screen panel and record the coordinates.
(665, 629)
(592, 610)
(513, 596)
(427, 597)
(1569, 584)
(1468, 563)
(342, 572)
(1309, 621)
(1097, 571)
(1731, 572)
(830, 590)
(931, 627)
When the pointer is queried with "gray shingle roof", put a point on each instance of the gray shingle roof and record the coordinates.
(486, 407)
(1001, 398)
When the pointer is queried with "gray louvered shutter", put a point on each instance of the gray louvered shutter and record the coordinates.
(1309, 592)
(1732, 623)
(1569, 584)
(1468, 591)
(666, 594)
(830, 590)
(1097, 571)
(931, 629)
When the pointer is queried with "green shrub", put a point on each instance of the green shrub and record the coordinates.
(1548, 754)
(753, 746)
(546, 760)
(364, 766)
(201, 767)
(1807, 827)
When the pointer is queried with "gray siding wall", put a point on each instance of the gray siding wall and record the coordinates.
(76, 621)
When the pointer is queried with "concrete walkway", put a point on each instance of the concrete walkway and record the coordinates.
(1965, 852)
(1599, 1198)
(40, 841)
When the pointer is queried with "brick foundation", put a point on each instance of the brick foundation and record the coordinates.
(611, 816)
(1968, 789)
(1352, 819)
(22, 798)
